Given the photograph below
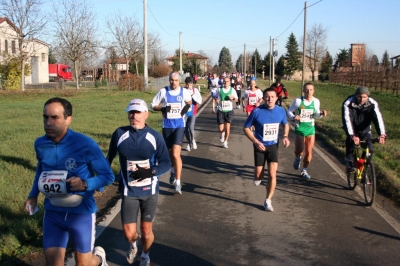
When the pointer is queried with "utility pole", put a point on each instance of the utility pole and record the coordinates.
(273, 60)
(270, 60)
(243, 58)
(304, 47)
(244, 55)
(145, 62)
(180, 53)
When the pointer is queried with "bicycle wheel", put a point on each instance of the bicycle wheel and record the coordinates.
(352, 180)
(369, 181)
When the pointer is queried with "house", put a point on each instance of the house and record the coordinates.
(297, 75)
(394, 59)
(200, 59)
(35, 51)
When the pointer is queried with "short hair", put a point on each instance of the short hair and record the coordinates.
(174, 73)
(306, 84)
(188, 80)
(267, 90)
(278, 79)
(66, 104)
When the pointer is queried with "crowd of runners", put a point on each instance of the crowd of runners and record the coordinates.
(71, 166)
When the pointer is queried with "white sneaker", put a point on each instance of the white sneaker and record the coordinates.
(178, 189)
(194, 145)
(132, 252)
(238, 107)
(145, 262)
(99, 251)
(225, 145)
(188, 147)
(268, 205)
(222, 138)
(256, 182)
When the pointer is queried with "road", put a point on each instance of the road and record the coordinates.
(219, 219)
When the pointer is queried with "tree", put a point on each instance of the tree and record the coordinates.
(10, 71)
(266, 63)
(225, 60)
(75, 32)
(52, 56)
(28, 18)
(239, 63)
(385, 59)
(256, 62)
(326, 67)
(342, 57)
(280, 67)
(292, 56)
(176, 60)
(315, 47)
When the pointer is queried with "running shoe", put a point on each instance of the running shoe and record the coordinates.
(132, 252)
(145, 262)
(296, 163)
(268, 205)
(188, 147)
(172, 179)
(256, 182)
(351, 170)
(99, 251)
(305, 175)
(222, 138)
(225, 145)
(178, 190)
(194, 145)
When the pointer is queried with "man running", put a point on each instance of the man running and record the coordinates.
(214, 85)
(70, 168)
(175, 103)
(224, 98)
(252, 98)
(303, 111)
(191, 114)
(280, 89)
(238, 87)
(265, 138)
(143, 157)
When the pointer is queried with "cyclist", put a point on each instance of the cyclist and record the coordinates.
(358, 111)
(280, 88)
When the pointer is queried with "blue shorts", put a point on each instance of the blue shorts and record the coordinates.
(59, 226)
(173, 136)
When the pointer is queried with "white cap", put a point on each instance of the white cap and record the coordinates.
(137, 105)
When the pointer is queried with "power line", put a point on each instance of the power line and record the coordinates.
(159, 23)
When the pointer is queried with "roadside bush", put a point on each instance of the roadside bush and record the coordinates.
(10, 72)
(100, 83)
(160, 70)
(130, 82)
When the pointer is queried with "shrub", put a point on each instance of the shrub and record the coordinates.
(160, 70)
(10, 72)
(130, 82)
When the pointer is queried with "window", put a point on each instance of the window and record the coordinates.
(13, 50)
(6, 46)
(43, 57)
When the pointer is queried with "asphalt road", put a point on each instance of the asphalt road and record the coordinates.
(219, 219)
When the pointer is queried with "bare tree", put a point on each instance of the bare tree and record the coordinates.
(316, 47)
(29, 20)
(75, 32)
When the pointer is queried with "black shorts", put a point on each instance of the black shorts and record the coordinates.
(130, 207)
(173, 136)
(224, 117)
(270, 155)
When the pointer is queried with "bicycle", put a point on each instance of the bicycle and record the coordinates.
(364, 171)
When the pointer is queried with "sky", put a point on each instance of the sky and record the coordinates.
(210, 25)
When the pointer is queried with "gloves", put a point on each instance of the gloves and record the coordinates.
(141, 173)
(166, 109)
(185, 109)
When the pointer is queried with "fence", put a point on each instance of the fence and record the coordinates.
(158, 83)
(386, 79)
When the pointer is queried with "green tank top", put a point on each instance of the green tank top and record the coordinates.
(226, 104)
(306, 125)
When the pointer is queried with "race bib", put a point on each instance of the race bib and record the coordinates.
(53, 183)
(131, 168)
(252, 100)
(238, 87)
(226, 105)
(270, 132)
(306, 115)
(175, 111)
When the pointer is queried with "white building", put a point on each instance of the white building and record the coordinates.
(36, 51)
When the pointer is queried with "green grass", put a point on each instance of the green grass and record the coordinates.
(98, 112)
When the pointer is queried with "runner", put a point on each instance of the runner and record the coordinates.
(224, 98)
(143, 157)
(303, 110)
(70, 168)
(265, 138)
(252, 98)
(176, 101)
(214, 85)
(280, 89)
(238, 87)
(191, 114)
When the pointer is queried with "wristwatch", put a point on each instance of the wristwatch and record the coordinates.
(153, 171)
(85, 185)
